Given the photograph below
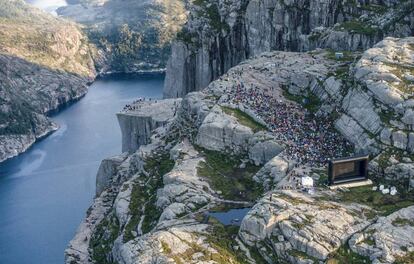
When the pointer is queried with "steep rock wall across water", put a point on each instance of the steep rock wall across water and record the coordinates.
(219, 35)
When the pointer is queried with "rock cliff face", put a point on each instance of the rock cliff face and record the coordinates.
(138, 122)
(243, 142)
(378, 101)
(220, 34)
(45, 64)
(134, 35)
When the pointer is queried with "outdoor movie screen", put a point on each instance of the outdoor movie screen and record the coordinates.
(348, 169)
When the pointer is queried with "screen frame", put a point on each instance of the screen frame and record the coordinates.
(359, 173)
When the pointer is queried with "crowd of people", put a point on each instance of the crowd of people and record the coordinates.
(309, 140)
(135, 104)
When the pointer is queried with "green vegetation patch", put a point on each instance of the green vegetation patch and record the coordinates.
(244, 119)
(315, 36)
(358, 27)
(210, 11)
(402, 222)
(407, 259)
(144, 196)
(348, 56)
(291, 199)
(18, 120)
(400, 71)
(369, 241)
(379, 9)
(255, 254)
(221, 238)
(383, 204)
(188, 37)
(342, 72)
(387, 115)
(344, 255)
(103, 238)
(126, 47)
(309, 101)
(302, 255)
(223, 173)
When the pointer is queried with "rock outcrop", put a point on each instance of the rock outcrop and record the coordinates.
(291, 222)
(138, 122)
(220, 34)
(46, 63)
(378, 103)
(134, 36)
(106, 170)
(388, 240)
(28, 92)
(243, 142)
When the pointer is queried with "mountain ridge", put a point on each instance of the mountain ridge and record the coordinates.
(46, 64)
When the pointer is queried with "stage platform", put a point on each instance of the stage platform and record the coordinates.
(351, 184)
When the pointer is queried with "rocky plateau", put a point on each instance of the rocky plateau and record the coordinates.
(243, 142)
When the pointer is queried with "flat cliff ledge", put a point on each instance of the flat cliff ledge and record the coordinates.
(139, 119)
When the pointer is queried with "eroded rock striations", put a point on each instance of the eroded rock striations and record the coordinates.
(220, 34)
(45, 63)
(245, 141)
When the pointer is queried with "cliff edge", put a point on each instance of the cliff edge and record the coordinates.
(219, 182)
(220, 34)
(46, 63)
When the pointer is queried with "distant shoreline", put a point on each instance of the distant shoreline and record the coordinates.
(129, 75)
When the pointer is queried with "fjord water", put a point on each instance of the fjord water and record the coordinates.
(45, 192)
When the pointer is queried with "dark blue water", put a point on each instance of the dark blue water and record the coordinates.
(230, 217)
(45, 192)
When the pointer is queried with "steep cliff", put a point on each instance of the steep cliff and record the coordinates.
(139, 120)
(244, 142)
(45, 63)
(220, 34)
(134, 35)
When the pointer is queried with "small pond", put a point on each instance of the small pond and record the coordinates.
(230, 217)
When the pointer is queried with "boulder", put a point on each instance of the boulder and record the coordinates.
(385, 135)
(354, 133)
(411, 142)
(107, 170)
(272, 172)
(389, 238)
(408, 117)
(333, 87)
(400, 139)
(262, 152)
(360, 107)
(263, 147)
(316, 229)
(220, 131)
(399, 171)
